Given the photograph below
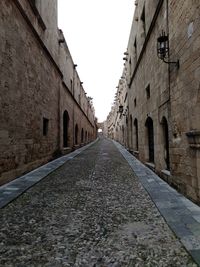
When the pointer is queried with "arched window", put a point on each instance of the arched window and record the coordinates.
(136, 133)
(76, 134)
(166, 142)
(65, 128)
(82, 136)
(150, 136)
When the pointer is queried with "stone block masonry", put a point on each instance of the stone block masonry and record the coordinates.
(33, 94)
(163, 100)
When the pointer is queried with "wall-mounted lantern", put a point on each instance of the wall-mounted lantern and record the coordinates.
(163, 49)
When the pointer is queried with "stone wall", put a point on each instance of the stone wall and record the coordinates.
(35, 90)
(163, 100)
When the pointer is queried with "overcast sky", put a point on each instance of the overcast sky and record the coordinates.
(97, 33)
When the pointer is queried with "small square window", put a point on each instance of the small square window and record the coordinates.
(135, 49)
(45, 126)
(148, 94)
(143, 21)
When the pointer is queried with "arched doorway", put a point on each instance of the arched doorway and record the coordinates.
(82, 136)
(123, 134)
(65, 128)
(150, 136)
(166, 142)
(76, 134)
(131, 132)
(136, 134)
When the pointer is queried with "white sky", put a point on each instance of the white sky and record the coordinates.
(97, 33)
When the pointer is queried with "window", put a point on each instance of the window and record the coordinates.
(125, 98)
(135, 102)
(130, 67)
(143, 22)
(71, 85)
(148, 94)
(135, 49)
(45, 126)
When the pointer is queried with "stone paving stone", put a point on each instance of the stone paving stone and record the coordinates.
(180, 229)
(91, 212)
(181, 216)
(26, 181)
(197, 218)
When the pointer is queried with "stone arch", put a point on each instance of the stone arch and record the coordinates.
(65, 128)
(150, 138)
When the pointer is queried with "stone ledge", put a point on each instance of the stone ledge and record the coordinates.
(166, 172)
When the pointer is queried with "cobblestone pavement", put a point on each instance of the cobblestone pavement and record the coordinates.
(91, 212)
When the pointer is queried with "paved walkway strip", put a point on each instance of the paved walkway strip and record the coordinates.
(15, 188)
(182, 215)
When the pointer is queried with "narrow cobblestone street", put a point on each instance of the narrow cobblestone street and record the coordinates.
(92, 211)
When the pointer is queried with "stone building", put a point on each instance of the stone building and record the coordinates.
(164, 96)
(117, 120)
(44, 109)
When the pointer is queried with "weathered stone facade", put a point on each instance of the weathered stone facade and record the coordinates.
(163, 99)
(44, 108)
